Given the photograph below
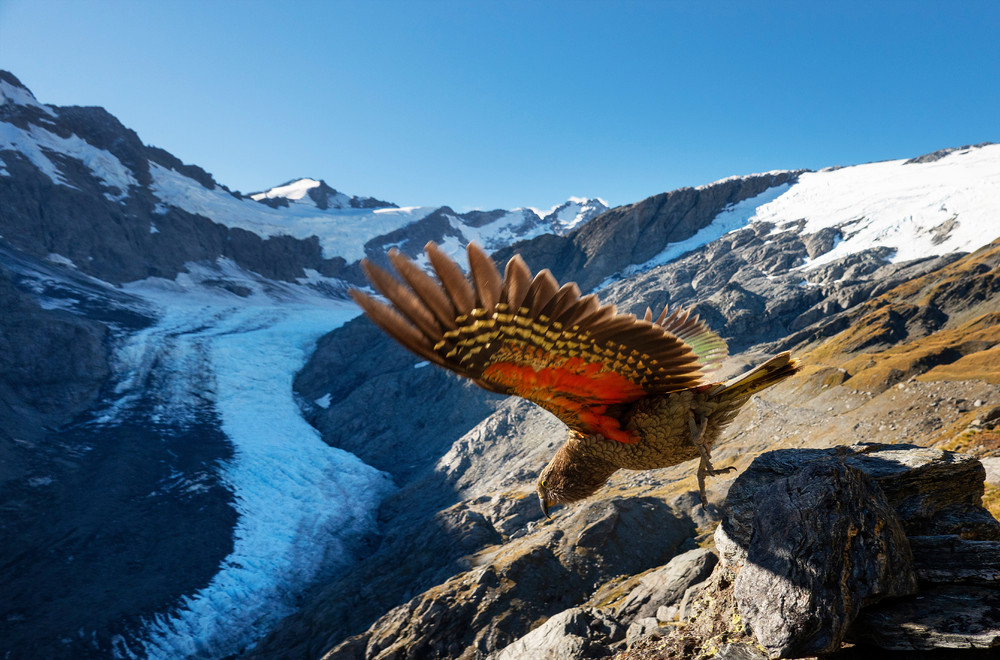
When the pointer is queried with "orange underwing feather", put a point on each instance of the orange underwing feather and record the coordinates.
(528, 337)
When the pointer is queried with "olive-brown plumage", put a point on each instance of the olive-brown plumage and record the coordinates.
(633, 392)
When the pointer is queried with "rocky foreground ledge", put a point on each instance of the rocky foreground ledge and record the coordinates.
(850, 551)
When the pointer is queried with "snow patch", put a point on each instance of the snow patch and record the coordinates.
(59, 259)
(571, 213)
(38, 144)
(15, 95)
(293, 190)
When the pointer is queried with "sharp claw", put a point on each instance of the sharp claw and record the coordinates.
(705, 466)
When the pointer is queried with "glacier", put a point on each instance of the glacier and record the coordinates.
(299, 501)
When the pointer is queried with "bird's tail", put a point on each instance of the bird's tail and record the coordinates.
(737, 390)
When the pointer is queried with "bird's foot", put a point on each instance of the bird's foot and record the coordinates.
(697, 424)
(705, 469)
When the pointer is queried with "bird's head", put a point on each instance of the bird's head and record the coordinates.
(569, 477)
(549, 488)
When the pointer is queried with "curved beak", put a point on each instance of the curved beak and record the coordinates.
(545, 506)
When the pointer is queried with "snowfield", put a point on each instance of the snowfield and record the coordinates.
(341, 232)
(916, 209)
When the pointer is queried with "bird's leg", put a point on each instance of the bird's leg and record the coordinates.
(698, 423)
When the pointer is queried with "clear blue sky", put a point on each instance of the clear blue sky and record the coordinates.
(517, 103)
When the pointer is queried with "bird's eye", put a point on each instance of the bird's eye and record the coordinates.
(542, 483)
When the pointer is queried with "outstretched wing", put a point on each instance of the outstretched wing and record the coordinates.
(532, 338)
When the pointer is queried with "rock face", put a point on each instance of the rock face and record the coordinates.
(825, 543)
(52, 363)
(114, 227)
(537, 575)
(636, 233)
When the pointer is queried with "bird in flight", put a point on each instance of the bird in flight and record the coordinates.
(633, 392)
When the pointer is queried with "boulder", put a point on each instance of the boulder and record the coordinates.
(825, 543)
(932, 491)
(574, 633)
(666, 585)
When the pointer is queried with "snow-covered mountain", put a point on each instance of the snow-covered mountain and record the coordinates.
(164, 341)
(315, 193)
(164, 214)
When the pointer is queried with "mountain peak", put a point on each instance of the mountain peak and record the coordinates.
(13, 92)
(293, 190)
(573, 212)
(315, 192)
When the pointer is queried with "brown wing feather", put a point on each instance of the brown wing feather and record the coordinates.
(529, 337)
(429, 291)
(486, 278)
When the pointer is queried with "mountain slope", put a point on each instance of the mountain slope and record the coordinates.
(75, 182)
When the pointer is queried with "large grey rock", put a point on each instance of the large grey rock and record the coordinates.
(932, 491)
(573, 633)
(825, 543)
(667, 584)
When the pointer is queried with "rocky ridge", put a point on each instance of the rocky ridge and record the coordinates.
(791, 583)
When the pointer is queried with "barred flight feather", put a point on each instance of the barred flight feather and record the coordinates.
(529, 337)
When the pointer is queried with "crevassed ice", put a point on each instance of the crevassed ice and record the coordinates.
(299, 500)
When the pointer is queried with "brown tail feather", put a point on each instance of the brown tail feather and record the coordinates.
(772, 372)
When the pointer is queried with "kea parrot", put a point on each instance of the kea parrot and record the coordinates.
(633, 392)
